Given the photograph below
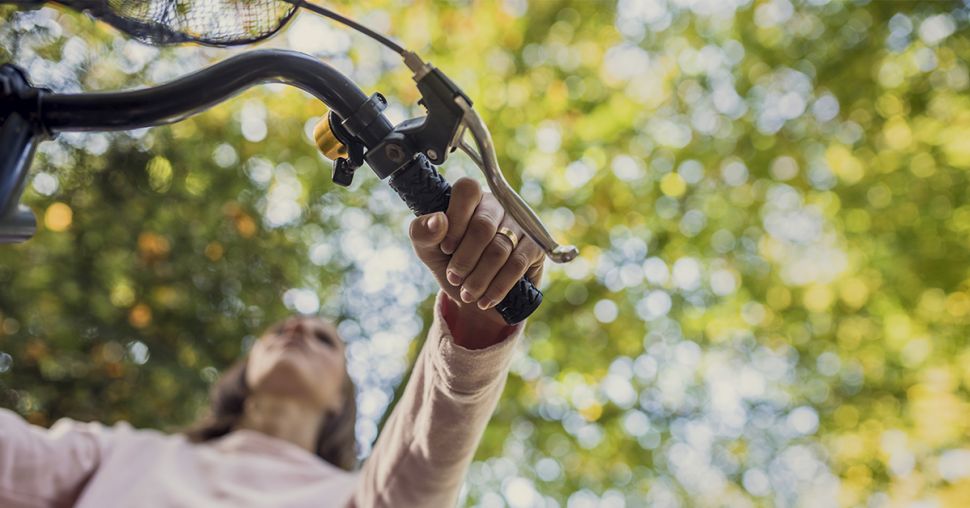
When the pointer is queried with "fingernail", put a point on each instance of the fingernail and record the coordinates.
(485, 304)
(454, 278)
(433, 223)
(447, 249)
(466, 296)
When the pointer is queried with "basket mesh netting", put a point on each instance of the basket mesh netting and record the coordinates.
(211, 22)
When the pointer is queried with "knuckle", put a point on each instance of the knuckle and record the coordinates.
(466, 186)
(488, 197)
(519, 262)
(453, 236)
(530, 248)
(498, 249)
(459, 265)
(534, 252)
(474, 285)
(482, 225)
(490, 202)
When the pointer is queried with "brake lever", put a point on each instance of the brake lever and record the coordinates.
(487, 161)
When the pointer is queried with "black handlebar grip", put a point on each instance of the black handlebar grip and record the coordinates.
(426, 191)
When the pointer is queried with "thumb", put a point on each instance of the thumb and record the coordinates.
(427, 232)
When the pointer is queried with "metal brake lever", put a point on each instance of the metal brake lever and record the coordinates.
(486, 160)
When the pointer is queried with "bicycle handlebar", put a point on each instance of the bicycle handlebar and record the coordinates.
(416, 181)
(196, 92)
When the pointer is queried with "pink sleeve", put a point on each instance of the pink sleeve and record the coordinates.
(427, 444)
(41, 467)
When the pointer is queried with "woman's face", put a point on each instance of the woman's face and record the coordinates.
(303, 357)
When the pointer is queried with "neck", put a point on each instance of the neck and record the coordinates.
(285, 418)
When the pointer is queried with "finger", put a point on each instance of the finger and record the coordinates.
(534, 273)
(426, 233)
(465, 196)
(524, 258)
(493, 259)
(481, 228)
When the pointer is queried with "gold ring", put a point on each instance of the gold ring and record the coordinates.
(508, 233)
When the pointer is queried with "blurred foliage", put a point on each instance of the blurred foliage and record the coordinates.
(770, 199)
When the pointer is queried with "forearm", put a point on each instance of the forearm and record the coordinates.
(424, 449)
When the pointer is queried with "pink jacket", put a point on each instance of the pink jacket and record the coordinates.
(419, 460)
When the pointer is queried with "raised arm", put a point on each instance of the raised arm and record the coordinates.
(430, 438)
(41, 467)
(424, 450)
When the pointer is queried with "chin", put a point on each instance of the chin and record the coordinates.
(287, 376)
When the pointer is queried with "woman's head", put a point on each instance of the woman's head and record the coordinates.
(301, 358)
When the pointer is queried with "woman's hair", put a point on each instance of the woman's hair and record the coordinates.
(336, 442)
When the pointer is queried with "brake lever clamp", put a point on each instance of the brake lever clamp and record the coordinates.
(437, 134)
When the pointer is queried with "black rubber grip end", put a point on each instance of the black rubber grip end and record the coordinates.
(425, 191)
(522, 300)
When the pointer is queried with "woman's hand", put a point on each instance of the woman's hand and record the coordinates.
(474, 263)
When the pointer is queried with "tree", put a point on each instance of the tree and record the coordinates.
(772, 301)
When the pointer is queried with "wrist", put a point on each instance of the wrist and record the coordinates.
(472, 327)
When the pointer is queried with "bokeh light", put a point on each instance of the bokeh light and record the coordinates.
(770, 199)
